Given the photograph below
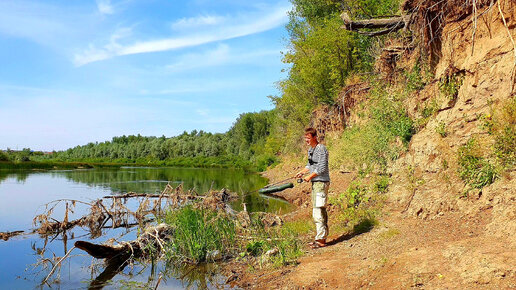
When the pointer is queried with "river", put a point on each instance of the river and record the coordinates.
(27, 259)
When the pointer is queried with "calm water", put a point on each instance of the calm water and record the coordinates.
(23, 195)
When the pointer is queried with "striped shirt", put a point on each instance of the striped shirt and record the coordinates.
(318, 163)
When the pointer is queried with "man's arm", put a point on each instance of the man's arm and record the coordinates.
(309, 177)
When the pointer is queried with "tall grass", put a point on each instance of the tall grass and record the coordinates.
(504, 130)
(198, 233)
(477, 170)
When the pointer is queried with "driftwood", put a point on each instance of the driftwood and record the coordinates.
(153, 237)
(117, 257)
(7, 235)
(387, 25)
(150, 195)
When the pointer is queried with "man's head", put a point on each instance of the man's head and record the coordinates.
(311, 137)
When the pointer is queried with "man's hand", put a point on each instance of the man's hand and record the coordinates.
(301, 173)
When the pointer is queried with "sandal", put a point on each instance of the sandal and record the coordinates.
(317, 245)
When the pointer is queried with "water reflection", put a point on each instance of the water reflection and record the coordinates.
(22, 194)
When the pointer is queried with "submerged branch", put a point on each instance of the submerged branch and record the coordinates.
(7, 235)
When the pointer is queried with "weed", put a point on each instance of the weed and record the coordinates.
(255, 248)
(381, 139)
(298, 227)
(353, 197)
(449, 85)
(476, 170)
(504, 131)
(415, 80)
(381, 184)
(444, 164)
(487, 123)
(430, 108)
(358, 206)
(390, 233)
(441, 129)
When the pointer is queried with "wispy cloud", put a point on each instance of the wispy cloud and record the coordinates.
(222, 54)
(38, 22)
(203, 112)
(105, 7)
(194, 22)
(241, 27)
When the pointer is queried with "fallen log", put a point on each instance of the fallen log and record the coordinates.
(389, 25)
(153, 195)
(152, 238)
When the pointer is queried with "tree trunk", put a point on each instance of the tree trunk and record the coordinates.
(388, 24)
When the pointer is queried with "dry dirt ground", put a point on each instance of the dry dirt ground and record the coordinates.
(428, 236)
(452, 251)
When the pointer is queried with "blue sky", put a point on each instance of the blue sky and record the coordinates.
(72, 72)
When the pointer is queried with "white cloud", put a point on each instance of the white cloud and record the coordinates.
(203, 112)
(221, 55)
(217, 56)
(194, 22)
(240, 26)
(105, 7)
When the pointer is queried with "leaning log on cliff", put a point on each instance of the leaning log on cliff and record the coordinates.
(387, 25)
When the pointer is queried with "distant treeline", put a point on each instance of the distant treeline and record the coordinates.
(242, 146)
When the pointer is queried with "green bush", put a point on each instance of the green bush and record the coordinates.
(3, 156)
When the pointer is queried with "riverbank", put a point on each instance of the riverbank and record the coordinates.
(187, 162)
(397, 249)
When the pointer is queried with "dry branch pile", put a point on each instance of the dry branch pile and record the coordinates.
(152, 242)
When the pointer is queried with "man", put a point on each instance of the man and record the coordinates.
(318, 170)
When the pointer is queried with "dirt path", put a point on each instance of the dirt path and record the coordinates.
(450, 251)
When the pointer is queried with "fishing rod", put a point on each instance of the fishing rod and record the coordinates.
(269, 185)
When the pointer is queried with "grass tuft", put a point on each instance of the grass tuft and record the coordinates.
(475, 169)
(198, 232)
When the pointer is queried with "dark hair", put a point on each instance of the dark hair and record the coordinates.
(311, 131)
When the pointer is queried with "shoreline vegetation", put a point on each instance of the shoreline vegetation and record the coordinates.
(186, 162)
(185, 229)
